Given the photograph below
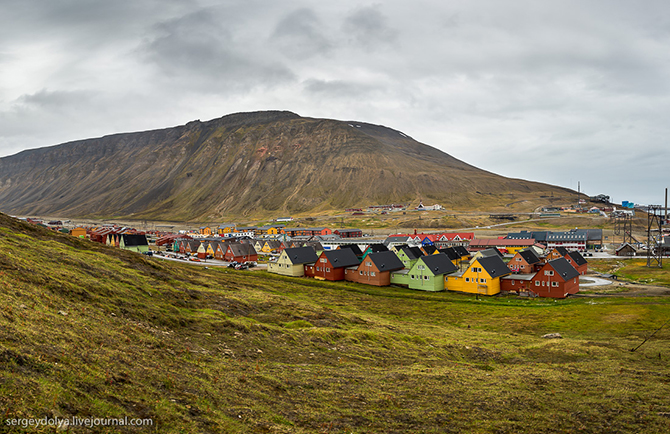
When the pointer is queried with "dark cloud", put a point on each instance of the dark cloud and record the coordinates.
(201, 49)
(369, 27)
(300, 35)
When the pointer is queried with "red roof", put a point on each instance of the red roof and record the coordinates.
(495, 242)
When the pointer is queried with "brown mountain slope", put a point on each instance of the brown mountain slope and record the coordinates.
(246, 164)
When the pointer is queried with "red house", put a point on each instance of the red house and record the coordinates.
(525, 262)
(556, 279)
(348, 233)
(331, 264)
(577, 260)
(375, 269)
(241, 253)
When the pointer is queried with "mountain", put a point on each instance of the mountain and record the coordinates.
(247, 164)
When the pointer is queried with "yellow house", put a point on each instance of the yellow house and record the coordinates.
(481, 277)
(292, 261)
(205, 230)
(78, 232)
(226, 229)
(271, 245)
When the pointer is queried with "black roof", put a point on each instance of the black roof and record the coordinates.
(451, 253)
(301, 255)
(378, 248)
(563, 268)
(578, 258)
(412, 252)
(494, 265)
(242, 249)
(341, 258)
(429, 248)
(461, 250)
(561, 250)
(353, 247)
(395, 239)
(385, 261)
(529, 256)
(491, 251)
(135, 240)
(439, 264)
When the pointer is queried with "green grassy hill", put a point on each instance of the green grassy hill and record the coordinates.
(87, 330)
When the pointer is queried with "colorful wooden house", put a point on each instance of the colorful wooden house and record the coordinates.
(79, 232)
(240, 252)
(205, 230)
(461, 250)
(427, 274)
(271, 246)
(525, 262)
(481, 277)
(134, 242)
(510, 245)
(374, 248)
(292, 261)
(332, 264)
(557, 252)
(556, 279)
(348, 233)
(429, 249)
(375, 269)
(220, 250)
(577, 260)
(226, 228)
(409, 255)
(354, 248)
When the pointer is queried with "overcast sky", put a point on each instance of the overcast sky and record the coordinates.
(557, 92)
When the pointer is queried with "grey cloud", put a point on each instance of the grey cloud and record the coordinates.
(369, 28)
(339, 89)
(201, 50)
(300, 35)
(57, 99)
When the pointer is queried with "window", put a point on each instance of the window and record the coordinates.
(537, 283)
(327, 270)
(369, 264)
(360, 272)
(548, 272)
(543, 283)
(554, 284)
(467, 279)
(421, 267)
(425, 277)
(483, 280)
(518, 259)
(323, 260)
(372, 273)
(513, 283)
(411, 276)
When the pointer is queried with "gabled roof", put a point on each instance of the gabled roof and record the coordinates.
(561, 250)
(529, 256)
(491, 252)
(315, 245)
(451, 253)
(341, 258)
(135, 240)
(273, 244)
(385, 261)
(239, 249)
(624, 245)
(563, 269)
(494, 265)
(412, 252)
(438, 264)
(429, 248)
(301, 255)
(461, 250)
(396, 239)
(577, 257)
(353, 247)
(378, 248)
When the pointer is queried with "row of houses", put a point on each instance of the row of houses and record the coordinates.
(484, 273)
(276, 230)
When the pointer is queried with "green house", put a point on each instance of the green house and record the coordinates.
(134, 242)
(427, 273)
(409, 255)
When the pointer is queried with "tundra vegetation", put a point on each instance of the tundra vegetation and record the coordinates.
(87, 330)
